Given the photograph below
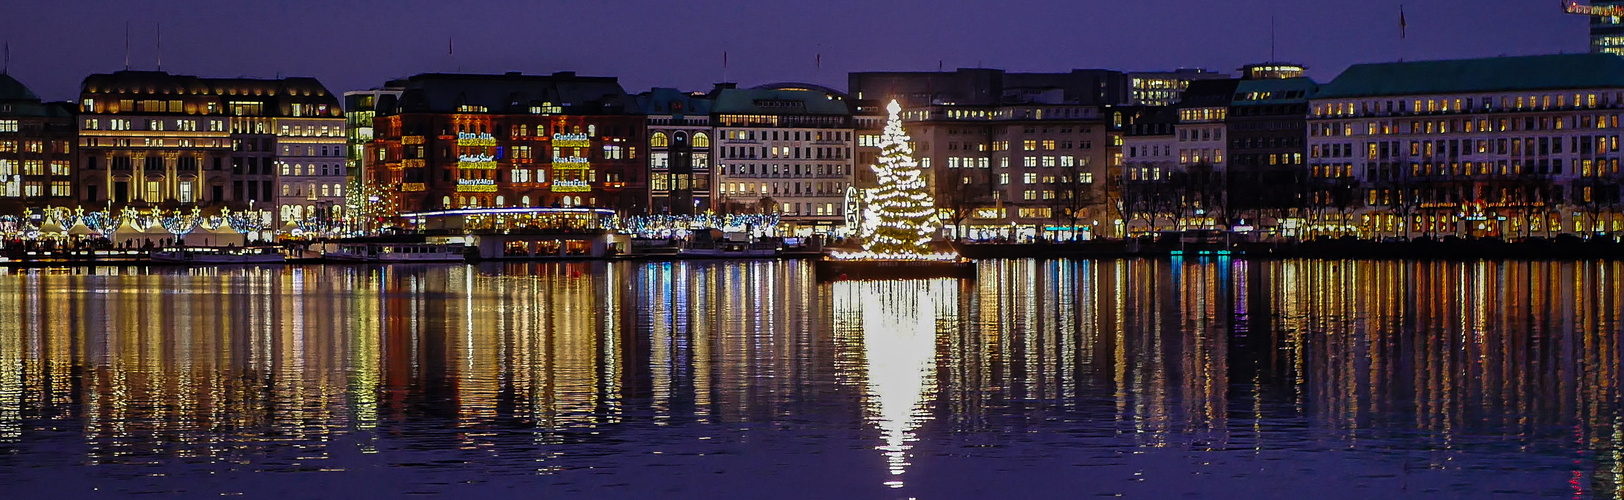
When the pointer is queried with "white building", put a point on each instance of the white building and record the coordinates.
(1505, 147)
(786, 149)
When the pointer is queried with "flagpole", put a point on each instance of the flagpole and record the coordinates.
(1403, 32)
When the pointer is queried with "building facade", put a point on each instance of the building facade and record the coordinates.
(1507, 147)
(36, 149)
(149, 139)
(679, 145)
(481, 141)
(1165, 88)
(1606, 24)
(785, 149)
(1268, 152)
(1012, 155)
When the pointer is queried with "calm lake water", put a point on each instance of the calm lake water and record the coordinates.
(1044, 379)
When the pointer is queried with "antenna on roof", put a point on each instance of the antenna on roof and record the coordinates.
(4, 69)
(1271, 40)
(160, 46)
(126, 45)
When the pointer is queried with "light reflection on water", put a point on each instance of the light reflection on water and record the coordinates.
(1136, 377)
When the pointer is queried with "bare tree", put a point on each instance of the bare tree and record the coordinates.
(1074, 196)
(957, 195)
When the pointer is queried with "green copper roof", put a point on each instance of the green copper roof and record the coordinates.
(1274, 91)
(1495, 74)
(13, 90)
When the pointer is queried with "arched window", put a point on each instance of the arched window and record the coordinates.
(500, 201)
(701, 140)
(659, 140)
(524, 200)
(445, 202)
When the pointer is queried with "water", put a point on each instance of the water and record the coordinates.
(1134, 378)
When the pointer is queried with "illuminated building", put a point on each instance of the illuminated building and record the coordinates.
(1506, 147)
(360, 109)
(1176, 160)
(1272, 71)
(1012, 155)
(1165, 88)
(152, 139)
(784, 148)
(36, 149)
(510, 140)
(679, 157)
(1606, 24)
(1267, 150)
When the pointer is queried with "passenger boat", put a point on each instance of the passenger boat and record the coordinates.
(397, 252)
(219, 255)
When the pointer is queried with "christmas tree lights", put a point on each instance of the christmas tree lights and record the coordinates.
(899, 216)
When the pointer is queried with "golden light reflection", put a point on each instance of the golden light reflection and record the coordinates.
(277, 367)
(896, 324)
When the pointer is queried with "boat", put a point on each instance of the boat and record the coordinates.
(219, 255)
(397, 252)
(714, 244)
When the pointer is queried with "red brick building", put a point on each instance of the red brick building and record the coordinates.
(480, 141)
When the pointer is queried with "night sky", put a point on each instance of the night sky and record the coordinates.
(359, 44)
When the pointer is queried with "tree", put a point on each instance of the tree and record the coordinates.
(767, 205)
(1073, 197)
(901, 215)
(957, 195)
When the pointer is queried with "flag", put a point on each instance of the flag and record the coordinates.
(724, 59)
(450, 46)
(1402, 25)
(819, 62)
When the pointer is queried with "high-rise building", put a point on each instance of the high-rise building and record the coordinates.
(1506, 147)
(785, 149)
(1606, 24)
(510, 140)
(679, 157)
(36, 149)
(150, 139)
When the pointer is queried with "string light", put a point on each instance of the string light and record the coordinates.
(899, 216)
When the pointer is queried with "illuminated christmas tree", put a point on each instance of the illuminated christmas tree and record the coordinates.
(899, 217)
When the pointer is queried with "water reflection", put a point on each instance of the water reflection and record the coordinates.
(895, 324)
(1452, 378)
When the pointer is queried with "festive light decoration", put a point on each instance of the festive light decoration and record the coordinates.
(680, 226)
(899, 216)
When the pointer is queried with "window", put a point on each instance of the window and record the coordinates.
(659, 140)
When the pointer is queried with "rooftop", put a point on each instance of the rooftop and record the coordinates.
(514, 93)
(1495, 74)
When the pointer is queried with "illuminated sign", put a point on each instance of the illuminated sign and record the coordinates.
(411, 139)
(571, 187)
(476, 161)
(1596, 10)
(562, 140)
(413, 187)
(476, 185)
(467, 139)
(571, 164)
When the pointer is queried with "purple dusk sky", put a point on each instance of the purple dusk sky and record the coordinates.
(352, 45)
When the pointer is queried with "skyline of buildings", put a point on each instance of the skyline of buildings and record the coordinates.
(1084, 153)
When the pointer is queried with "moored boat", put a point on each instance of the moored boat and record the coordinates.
(219, 255)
